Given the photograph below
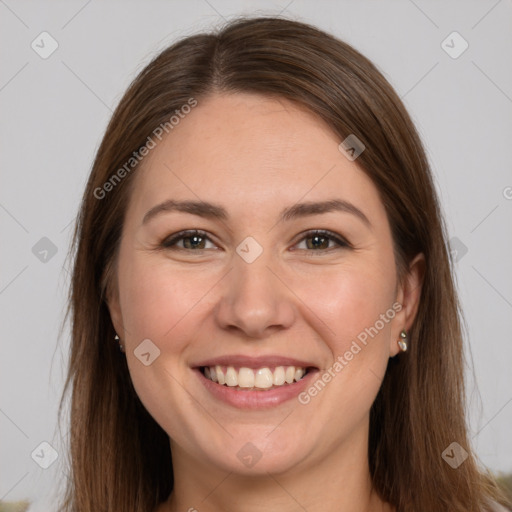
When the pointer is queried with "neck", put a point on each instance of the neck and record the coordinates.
(339, 481)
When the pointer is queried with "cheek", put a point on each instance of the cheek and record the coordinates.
(355, 303)
(159, 305)
(155, 300)
(349, 300)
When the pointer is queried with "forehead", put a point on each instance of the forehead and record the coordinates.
(251, 152)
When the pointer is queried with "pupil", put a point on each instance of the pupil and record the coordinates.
(194, 241)
(315, 241)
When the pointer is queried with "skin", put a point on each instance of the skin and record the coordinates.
(254, 155)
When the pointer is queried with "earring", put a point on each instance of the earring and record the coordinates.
(121, 348)
(402, 342)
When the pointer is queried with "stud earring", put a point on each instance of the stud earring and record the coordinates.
(402, 342)
(121, 348)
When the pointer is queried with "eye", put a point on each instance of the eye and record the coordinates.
(317, 240)
(192, 240)
(320, 240)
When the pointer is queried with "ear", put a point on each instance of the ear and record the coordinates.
(114, 307)
(408, 296)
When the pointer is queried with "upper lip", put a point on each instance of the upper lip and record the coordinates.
(254, 362)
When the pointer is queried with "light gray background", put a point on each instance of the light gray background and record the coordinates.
(54, 113)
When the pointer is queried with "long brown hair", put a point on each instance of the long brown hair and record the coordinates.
(120, 457)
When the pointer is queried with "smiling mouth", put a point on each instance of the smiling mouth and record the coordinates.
(248, 379)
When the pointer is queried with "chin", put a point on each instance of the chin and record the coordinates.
(258, 454)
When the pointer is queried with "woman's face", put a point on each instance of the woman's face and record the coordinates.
(254, 291)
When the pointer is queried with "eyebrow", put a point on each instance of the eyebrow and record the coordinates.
(214, 211)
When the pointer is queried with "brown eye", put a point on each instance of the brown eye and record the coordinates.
(317, 242)
(190, 240)
(320, 240)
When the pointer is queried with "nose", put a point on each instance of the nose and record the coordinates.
(255, 300)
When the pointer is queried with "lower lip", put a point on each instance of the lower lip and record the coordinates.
(255, 399)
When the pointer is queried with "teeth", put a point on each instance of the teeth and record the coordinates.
(247, 378)
(220, 375)
(264, 378)
(278, 376)
(299, 373)
(231, 377)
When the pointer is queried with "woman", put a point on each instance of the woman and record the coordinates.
(261, 237)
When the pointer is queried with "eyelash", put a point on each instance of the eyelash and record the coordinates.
(170, 242)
